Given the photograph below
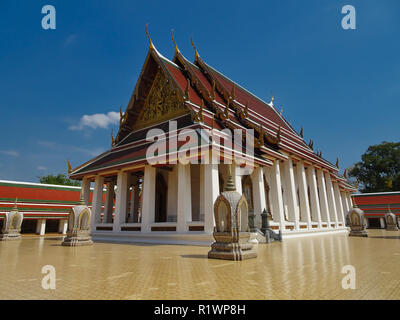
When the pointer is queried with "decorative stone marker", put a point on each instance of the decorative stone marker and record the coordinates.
(357, 223)
(12, 221)
(391, 221)
(78, 231)
(232, 232)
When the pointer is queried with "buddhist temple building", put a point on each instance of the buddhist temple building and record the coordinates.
(376, 205)
(45, 207)
(167, 200)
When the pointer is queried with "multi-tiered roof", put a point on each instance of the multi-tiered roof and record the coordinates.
(198, 96)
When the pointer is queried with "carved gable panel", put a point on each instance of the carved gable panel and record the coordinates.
(162, 103)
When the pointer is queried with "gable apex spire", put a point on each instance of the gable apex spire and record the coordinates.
(151, 46)
(196, 54)
(173, 40)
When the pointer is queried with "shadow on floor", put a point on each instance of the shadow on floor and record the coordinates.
(195, 256)
(385, 237)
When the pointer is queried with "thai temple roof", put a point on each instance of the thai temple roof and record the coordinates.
(221, 102)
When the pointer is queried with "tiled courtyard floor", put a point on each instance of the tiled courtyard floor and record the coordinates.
(301, 268)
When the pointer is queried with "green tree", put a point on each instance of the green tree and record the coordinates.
(379, 168)
(60, 179)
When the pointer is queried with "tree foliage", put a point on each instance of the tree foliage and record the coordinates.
(379, 169)
(60, 179)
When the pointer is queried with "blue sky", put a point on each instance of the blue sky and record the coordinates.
(343, 86)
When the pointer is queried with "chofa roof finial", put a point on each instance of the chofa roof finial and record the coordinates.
(196, 54)
(148, 36)
(173, 40)
(69, 166)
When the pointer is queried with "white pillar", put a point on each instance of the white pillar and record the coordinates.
(276, 195)
(184, 207)
(62, 226)
(211, 193)
(339, 204)
(85, 190)
(291, 193)
(257, 179)
(345, 206)
(350, 200)
(109, 203)
(303, 193)
(41, 227)
(331, 198)
(315, 207)
(97, 201)
(121, 201)
(323, 198)
(148, 198)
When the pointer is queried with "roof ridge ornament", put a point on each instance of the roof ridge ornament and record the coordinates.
(280, 113)
(345, 173)
(213, 95)
(151, 45)
(69, 166)
(173, 40)
(337, 163)
(112, 138)
(196, 54)
(200, 113)
(278, 134)
(272, 100)
(187, 95)
(301, 132)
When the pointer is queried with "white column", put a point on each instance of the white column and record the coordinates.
(276, 195)
(201, 198)
(257, 179)
(315, 207)
(331, 198)
(109, 203)
(184, 207)
(382, 221)
(345, 205)
(350, 200)
(303, 193)
(97, 201)
(211, 193)
(85, 190)
(120, 201)
(291, 194)
(339, 204)
(323, 198)
(41, 227)
(148, 198)
(62, 226)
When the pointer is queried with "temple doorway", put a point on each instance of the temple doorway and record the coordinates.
(161, 199)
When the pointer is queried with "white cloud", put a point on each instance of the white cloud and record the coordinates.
(98, 120)
(41, 168)
(11, 153)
